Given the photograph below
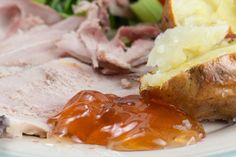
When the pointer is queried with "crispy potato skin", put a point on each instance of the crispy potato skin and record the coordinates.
(206, 91)
(168, 20)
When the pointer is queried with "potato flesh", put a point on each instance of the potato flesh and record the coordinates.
(204, 12)
(185, 55)
(158, 78)
(180, 44)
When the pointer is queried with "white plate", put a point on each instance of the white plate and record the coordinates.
(220, 141)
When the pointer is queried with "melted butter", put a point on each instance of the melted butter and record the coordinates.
(125, 123)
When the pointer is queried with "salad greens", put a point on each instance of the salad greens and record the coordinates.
(147, 11)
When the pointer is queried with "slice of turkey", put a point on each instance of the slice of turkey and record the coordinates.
(34, 47)
(29, 98)
(29, 49)
(23, 15)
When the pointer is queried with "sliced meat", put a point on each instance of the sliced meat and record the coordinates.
(13, 63)
(91, 45)
(95, 11)
(133, 33)
(23, 15)
(27, 99)
(30, 57)
(28, 7)
(72, 44)
(116, 53)
(91, 35)
(28, 49)
(129, 58)
(34, 47)
(6, 71)
(9, 16)
(39, 36)
(32, 39)
(103, 14)
(27, 23)
(69, 24)
(137, 54)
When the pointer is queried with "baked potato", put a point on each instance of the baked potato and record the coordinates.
(194, 68)
(199, 12)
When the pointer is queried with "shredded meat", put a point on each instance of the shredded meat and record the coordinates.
(91, 45)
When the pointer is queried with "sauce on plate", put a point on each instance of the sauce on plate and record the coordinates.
(125, 123)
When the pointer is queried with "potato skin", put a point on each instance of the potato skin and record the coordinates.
(168, 20)
(206, 91)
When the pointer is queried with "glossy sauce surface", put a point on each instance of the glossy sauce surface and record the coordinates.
(125, 123)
